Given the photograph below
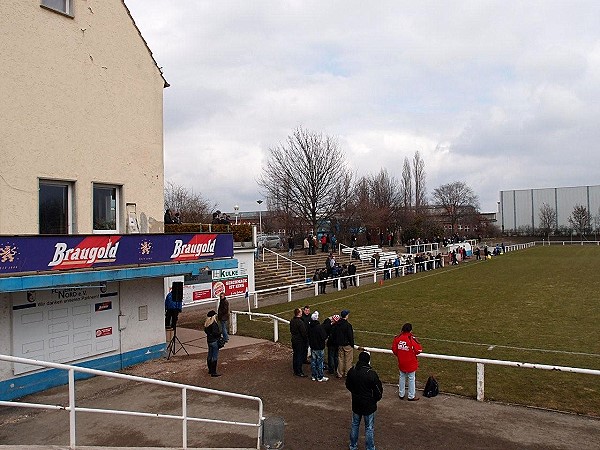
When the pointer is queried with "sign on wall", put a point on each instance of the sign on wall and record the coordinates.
(54, 253)
(65, 325)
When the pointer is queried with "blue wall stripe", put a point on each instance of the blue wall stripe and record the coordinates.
(40, 381)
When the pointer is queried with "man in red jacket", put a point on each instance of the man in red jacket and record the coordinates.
(406, 348)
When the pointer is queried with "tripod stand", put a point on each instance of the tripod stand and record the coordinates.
(171, 348)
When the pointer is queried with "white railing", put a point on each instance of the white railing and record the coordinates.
(274, 318)
(480, 362)
(481, 366)
(184, 418)
(292, 262)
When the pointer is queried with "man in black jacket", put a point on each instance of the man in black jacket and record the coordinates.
(366, 390)
(299, 334)
(344, 338)
(317, 337)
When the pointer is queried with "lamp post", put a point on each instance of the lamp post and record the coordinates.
(259, 215)
(236, 208)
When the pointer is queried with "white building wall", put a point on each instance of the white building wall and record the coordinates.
(81, 102)
(523, 207)
(139, 299)
(541, 196)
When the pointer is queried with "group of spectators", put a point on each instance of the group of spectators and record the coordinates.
(221, 218)
(310, 337)
(344, 274)
(311, 243)
(172, 217)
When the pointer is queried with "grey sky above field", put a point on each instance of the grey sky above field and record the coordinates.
(499, 94)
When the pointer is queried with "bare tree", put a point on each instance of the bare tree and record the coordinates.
(311, 168)
(406, 191)
(419, 177)
(580, 219)
(192, 207)
(547, 217)
(457, 200)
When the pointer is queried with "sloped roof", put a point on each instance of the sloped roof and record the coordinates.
(146, 44)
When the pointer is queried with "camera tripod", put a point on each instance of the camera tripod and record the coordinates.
(172, 347)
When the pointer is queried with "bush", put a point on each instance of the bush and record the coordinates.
(241, 233)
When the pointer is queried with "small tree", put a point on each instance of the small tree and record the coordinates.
(192, 207)
(547, 217)
(580, 219)
(457, 200)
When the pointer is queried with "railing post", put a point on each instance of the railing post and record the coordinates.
(72, 431)
(289, 293)
(184, 415)
(275, 330)
(375, 276)
(256, 299)
(357, 280)
(480, 381)
(291, 269)
(316, 288)
(233, 323)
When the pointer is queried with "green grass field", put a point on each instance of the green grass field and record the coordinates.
(540, 305)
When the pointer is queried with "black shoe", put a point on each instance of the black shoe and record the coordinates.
(300, 375)
(215, 374)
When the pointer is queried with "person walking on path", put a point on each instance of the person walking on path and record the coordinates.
(213, 333)
(364, 384)
(223, 315)
(406, 347)
(344, 338)
(317, 337)
(299, 334)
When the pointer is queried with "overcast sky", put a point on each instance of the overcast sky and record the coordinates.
(499, 94)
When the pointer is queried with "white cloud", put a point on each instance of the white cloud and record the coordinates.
(500, 94)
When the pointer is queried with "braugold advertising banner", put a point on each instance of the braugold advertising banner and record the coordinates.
(57, 253)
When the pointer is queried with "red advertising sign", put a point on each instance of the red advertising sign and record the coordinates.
(107, 331)
(232, 286)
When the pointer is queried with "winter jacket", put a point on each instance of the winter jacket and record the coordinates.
(298, 330)
(316, 336)
(406, 348)
(366, 388)
(170, 304)
(223, 311)
(212, 329)
(343, 333)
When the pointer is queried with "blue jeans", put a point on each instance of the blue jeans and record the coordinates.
(316, 363)
(224, 327)
(402, 384)
(369, 431)
(213, 351)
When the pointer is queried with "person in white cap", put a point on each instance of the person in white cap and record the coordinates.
(317, 337)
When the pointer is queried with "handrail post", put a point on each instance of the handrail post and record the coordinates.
(184, 415)
(357, 280)
(275, 330)
(375, 276)
(256, 299)
(316, 288)
(480, 381)
(234, 317)
(72, 431)
(289, 293)
(291, 268)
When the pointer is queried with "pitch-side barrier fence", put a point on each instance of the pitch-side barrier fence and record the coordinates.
(479, 362)
(184, 417)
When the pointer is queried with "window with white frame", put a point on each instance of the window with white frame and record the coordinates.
(55, 212)
(105, 208)
(63, 6)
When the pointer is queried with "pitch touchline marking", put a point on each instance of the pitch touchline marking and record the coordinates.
(442, 340)
(490, 346)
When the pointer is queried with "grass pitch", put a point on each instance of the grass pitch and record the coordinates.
(540, 305)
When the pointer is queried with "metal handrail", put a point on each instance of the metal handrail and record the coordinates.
(292, 262)
(498, 362)
(72, 408)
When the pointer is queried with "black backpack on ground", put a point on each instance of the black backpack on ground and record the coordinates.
(432, 387)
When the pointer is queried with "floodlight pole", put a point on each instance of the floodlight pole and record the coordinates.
(259, 215)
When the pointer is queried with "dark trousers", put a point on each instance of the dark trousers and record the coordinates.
(171, 318)
(332, 359)
(299, 352)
